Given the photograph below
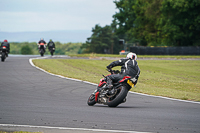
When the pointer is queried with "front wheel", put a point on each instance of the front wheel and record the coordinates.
(118, 98)
(91, 100)
(52, 53)
(42, 52)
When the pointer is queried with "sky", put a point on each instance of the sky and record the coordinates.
(54, 15)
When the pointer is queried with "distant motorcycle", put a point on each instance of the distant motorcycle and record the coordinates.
(112, 97)
(3, 53)
(42, 49)
(51, 50)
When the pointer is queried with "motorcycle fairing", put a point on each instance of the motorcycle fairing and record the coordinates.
(41, 43)
(102, 82)
(96, 96)
(125, 77)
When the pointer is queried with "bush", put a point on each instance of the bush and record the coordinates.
(26, 50)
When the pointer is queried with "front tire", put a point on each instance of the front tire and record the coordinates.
(52, 53)
(91, 100)
(42, 52)
(118, 98)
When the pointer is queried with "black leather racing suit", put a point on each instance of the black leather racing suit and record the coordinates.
(129, 68)
(50, 45)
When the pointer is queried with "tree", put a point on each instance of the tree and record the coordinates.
(181, 22)
(159, 22)
(26, 50)
(103, 40)
(124, 19)
(146, 27)
(61, 48)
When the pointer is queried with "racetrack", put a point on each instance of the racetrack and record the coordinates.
(29, 96)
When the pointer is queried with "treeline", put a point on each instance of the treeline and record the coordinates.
(103, 40)
(148, 23)
(31, 48)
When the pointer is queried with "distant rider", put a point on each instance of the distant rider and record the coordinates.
(51, 45)
(5, 43)
(42, 44)
(129, 67)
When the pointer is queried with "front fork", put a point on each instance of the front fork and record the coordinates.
(99, 94)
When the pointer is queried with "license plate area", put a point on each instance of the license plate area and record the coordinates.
(130, 83)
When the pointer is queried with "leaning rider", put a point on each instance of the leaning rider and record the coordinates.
(129, 67)
(5, 43)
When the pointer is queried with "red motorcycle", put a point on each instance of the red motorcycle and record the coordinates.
(3, 53)
(42, 48)
(112, 97)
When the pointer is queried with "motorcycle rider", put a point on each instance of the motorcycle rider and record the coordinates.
(129, 67)
(42, 44)
(51, 45)
(5, 43)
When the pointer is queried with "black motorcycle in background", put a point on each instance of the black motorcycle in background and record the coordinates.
(51, 50)
(3, 53)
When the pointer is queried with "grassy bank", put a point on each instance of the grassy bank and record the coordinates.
(139, 56)
(171, 78)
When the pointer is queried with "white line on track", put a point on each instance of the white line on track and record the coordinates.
(30, 60)
(66, 128)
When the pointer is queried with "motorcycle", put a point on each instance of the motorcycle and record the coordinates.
(42, 49)
(3, 53)
(51, 50)
(112, 97)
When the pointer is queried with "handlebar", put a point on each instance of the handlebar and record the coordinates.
(113, 71)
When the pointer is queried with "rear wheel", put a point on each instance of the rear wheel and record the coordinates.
(118, 98)
(91, 100)
(3, 56)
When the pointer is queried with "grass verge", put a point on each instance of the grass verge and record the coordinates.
(94, 55)
(170, 78)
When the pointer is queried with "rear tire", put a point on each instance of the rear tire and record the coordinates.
(3, 56)
(91, 100)
(115, 101)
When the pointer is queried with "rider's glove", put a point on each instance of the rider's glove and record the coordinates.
(109, 67)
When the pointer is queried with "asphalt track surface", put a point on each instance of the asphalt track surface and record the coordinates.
(32, 100)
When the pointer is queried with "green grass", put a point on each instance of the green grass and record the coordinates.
(87, 70)
(171, 78)
(94, 55)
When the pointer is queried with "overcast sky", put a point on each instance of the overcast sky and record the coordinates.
(54, 15)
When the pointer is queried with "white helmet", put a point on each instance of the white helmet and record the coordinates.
(131, 56)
